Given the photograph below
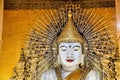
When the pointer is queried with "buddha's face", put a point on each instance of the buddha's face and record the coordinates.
(70, 54)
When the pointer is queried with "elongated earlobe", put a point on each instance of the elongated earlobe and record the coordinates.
(82, 59)
(58, 60)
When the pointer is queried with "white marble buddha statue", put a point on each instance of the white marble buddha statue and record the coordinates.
(70, 57)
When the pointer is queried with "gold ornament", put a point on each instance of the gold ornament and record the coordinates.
(70, 33)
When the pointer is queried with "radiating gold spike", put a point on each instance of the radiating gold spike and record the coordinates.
(80, 17)
(104, 23)
(102, 27)
(90, 26)
(46, 19)
(83, 19)
(47, 31)
(47, 28)
(43, 13)
(99, 30)
(57, 28)
(42, 24)
(45, 34)
(58, 16)
(48, 15)
(90, 16)
(92, 29)
(52, 26)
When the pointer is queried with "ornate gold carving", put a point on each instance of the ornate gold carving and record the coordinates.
(51, 4)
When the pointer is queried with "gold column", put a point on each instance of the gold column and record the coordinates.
(117, 63)
(1, 22)
(118, 21)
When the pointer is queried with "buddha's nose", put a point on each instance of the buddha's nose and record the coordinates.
(70, 54)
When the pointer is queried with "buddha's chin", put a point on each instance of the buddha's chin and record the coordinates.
(70, 65)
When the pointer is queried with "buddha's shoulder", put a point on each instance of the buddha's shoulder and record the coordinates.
(48, 72)
(93, 75)
(93, 72)
(49, 75)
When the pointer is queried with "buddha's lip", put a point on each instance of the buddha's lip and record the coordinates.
(69, 60)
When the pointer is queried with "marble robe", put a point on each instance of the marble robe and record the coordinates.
(51, 75)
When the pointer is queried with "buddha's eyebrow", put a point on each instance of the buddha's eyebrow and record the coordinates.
(63, 46)
(76, 46)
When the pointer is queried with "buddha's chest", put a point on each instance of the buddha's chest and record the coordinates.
(75, 75)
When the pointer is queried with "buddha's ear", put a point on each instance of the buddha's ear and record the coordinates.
(82, 59)
(58, 60)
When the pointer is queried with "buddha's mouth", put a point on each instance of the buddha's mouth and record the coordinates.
(69, 60)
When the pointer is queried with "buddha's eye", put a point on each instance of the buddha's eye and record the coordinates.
(63, 48)
(76, 48)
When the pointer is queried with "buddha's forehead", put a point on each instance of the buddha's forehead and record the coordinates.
(69, 44)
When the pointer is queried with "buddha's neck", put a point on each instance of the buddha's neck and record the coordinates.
(70, 69)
